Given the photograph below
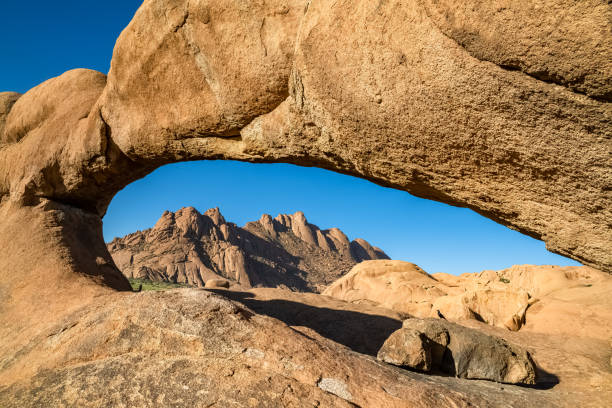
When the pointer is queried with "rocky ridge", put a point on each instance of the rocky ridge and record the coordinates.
(286, 251)
(512, 298)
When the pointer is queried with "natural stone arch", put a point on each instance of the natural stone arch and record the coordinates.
(347, 86)
(511, 119)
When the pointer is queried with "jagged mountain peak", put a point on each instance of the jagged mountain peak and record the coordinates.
(192, 247)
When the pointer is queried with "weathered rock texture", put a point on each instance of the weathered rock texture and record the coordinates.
(469, 353)
(460, 351)
(188, 347)
(407, 348)
(396, 92)
(7, 100)
(499, 298)
(573, 364)
(286, 251)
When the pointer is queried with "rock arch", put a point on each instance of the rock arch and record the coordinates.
(499, 106)
(422, 96)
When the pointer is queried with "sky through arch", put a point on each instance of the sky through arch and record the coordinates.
(436, 236)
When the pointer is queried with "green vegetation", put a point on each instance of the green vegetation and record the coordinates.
(504, 280)
(154, 285)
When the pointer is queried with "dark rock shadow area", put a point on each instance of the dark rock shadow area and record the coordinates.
(361, 332)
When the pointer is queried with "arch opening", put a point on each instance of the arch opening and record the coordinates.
(436, 236)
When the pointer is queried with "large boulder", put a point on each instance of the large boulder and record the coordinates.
(217, 284)
(398, 285)
(467, 353)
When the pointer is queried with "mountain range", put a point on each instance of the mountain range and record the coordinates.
(287, 251)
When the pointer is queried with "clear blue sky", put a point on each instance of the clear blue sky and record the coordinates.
(436, 236)
(42, 39)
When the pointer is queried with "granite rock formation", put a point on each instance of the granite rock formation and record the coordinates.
(286, 251)
(571, 360)
(459, 351)
(7, 100)
(407, 348)
(189, 347)
(499, 298)
(436, 98)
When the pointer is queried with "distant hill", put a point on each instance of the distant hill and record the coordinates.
(286, 251)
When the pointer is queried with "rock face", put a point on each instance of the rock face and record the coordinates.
(502, 108)
(7, 100)
(457, 350)
(287, 251)
(499, 298)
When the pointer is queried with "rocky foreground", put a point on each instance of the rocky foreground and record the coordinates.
(286, 251)
(277, 348)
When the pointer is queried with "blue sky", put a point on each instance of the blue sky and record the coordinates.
(63, 35)
(436, 236)
(43, 39)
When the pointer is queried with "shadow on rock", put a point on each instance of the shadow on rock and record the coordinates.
(544, 379)
(361, 332)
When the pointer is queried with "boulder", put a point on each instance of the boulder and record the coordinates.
(217, 284)
(437, 334)
(468, 353)
(407, 348)
(396, 285)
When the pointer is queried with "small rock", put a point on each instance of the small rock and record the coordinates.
(217, 283)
